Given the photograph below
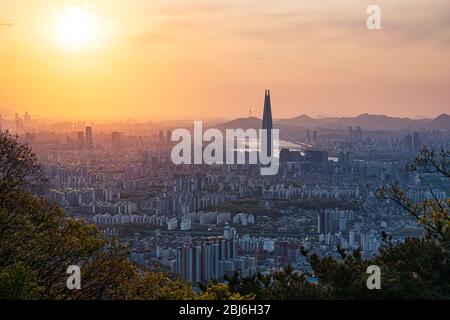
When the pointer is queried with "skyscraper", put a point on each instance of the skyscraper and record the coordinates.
(267, 121)
(416, 141)
(211, 259)
(325, 222)
(80, 140)
(161, 137)
(89, 137)
(19, 123)
(116, 140)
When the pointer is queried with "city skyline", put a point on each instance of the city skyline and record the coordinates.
(7, 114)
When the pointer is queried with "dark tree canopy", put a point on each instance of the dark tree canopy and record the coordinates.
(18, 164)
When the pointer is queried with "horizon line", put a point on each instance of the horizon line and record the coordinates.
(127, 118)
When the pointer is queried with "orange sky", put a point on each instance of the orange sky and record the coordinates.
(214, 58)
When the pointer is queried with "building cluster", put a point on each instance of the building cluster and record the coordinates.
(205, 221)
(211, 259)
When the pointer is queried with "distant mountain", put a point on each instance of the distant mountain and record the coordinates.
(365, 121)
(241, 123)
(383, 122)
(442, 122)
(300, 121)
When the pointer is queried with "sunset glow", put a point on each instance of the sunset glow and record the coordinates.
(76, 28)
(114, 59)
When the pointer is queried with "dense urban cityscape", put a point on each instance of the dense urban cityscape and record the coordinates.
(203, 222)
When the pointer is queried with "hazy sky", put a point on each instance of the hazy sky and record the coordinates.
(214, 58)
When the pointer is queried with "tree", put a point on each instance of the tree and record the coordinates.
(220, 291)
(416, 268)
(18, 164)
(282, 285)
(434, 213)
(38, 242)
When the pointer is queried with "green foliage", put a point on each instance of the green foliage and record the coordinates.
(252, 205)
(317, 204)
(283, 285)
(220, 291)
(18, 282)
(17, 164)
(418, 268)
(39, 242)
(434, 214)
(39, 237)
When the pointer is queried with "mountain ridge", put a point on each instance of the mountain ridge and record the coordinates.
(366, 121)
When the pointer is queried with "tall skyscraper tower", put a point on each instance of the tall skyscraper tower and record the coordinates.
(89, 142)
(161, 137)
(267, 121)
(80, 140)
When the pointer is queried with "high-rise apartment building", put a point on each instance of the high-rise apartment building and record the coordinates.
(116, 141)
(89, 141)
(211, 259)
(80, 140)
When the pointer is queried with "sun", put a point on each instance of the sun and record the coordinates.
(76, 28)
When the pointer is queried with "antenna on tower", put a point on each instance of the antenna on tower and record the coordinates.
(250, 112)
